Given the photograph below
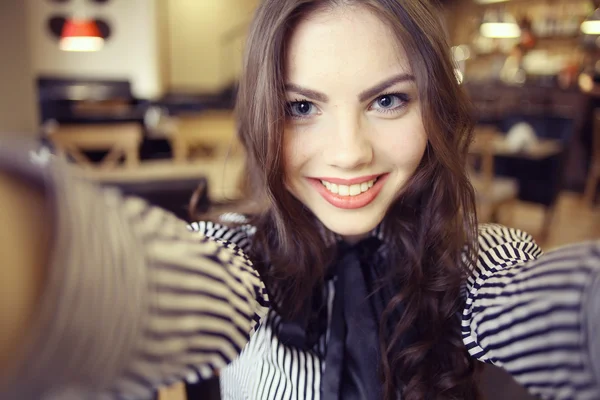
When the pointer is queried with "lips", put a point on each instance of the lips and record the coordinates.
(349, 193)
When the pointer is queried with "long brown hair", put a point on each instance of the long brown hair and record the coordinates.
(432, 225)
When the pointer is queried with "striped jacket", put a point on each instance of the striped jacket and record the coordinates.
(135, 299)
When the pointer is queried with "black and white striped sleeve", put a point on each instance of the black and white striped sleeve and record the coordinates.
(535, 317)
(238, 237)
(134, 300)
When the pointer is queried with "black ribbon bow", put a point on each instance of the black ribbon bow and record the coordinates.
(352, 357)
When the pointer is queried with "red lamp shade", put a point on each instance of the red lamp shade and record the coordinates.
(81, 35)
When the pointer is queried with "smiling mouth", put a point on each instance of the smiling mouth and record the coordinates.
(349, 190)
(349, 193)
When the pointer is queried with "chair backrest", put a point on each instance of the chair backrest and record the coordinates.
(120, 141)
(216, 131)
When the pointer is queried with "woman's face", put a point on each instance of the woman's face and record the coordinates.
(354, 133)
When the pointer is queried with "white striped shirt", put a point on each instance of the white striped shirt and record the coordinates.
(135, 300)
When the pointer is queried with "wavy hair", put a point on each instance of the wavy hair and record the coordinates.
(432, 224)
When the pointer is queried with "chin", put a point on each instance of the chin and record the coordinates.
(352, 227)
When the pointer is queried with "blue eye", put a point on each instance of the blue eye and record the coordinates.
(300, 109)
(390, 102)
(385, 101)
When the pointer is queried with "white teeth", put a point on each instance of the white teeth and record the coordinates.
(352, 190)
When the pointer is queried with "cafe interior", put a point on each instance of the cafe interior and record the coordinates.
(139, 94)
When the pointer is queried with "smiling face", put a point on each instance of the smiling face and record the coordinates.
(354, 133)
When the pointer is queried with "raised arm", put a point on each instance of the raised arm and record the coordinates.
(121, 299)
(537, 319)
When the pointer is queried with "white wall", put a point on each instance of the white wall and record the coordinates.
(162, 28)
(132, 52)
(156, 44)
(198, 59)
(18, 110)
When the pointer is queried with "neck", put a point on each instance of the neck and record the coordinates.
(353, 239)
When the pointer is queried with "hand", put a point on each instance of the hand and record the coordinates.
(24, 249)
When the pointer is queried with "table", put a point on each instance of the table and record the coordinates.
(223, 174)
(496, 144)
(489, 143)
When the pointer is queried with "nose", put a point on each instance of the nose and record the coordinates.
(350, 146)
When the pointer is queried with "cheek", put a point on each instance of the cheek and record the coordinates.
(404, 147)
(301, 144)
(294, 152)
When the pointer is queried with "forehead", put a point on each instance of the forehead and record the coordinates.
(349, 44)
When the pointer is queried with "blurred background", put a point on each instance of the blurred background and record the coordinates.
(139, 94)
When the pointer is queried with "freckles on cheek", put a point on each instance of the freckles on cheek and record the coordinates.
(295, 149)
(408, 150)
(293, 160)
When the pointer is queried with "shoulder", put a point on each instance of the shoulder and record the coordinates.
(231, 229)
(493, 235)
(501, 247)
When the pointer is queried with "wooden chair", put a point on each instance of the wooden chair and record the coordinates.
(121, 141)
(208, 134)
(593, 177)
(492, 192)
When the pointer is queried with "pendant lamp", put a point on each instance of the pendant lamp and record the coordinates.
(81, 35)
(591, 25)
(499, 24)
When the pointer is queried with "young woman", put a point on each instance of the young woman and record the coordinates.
(364, 275)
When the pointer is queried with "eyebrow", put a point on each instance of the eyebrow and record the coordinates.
(363, 96)
(311, 94)
(380, 87)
